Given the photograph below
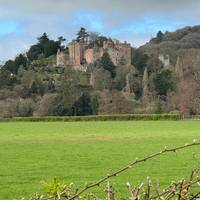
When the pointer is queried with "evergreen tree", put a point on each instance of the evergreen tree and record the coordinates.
(160, 36)
(43, 40)
(158, 106)
(179, 69)
(34, 52)
(45, 47)
(61, 40)
(83, 106)
(10, 66)
(21, 60)
(82, 35)
(140, 61)
(108, 65)
(164, 81)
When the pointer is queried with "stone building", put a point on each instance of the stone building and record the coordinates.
(80, 53)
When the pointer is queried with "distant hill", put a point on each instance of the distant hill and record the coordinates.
(188, 37)
(173, 43)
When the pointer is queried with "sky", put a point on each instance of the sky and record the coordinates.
(135, 21)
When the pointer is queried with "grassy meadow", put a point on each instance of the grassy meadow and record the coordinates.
(81, 152)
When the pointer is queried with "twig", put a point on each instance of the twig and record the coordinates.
(195, 196)
(129, 166)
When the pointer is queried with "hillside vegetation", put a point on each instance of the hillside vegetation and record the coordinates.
(164, 78)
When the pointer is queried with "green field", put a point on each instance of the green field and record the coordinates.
(81, 152)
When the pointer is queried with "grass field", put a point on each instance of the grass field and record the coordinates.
(81, 152)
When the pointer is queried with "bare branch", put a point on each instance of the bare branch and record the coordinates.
(131, 165)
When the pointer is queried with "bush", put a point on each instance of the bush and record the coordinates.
(8, 108)
(25, 107)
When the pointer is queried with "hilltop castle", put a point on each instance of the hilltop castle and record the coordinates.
(79, 53)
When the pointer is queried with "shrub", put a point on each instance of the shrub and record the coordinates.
(8, 108)
(25, 107)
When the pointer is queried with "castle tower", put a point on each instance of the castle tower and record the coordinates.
(76, 52)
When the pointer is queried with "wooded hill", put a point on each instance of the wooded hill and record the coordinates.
(164, 78)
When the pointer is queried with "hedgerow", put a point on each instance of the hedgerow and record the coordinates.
(129, 117)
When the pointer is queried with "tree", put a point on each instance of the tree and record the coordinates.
(44, 104)
(158, 106)
(108, 65)
(83, 106)
(42, 40)
(140, 60)
(21, 60)
(6, 79)
(82, 35)
(61, 40)
(70, 86)
(10, 66)
(93, 37)
(45, 47)
(34, 52)
(179, 69)
(57, 107)
(100, 78)
(25, 107)
(50, 48)
(8, 108)
(96, 40)
(164, 81)
(32, 83)
(145, 85)
(159, 36)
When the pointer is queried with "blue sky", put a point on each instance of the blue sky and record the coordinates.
(22, 21)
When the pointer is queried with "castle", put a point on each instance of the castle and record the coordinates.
(80, 53)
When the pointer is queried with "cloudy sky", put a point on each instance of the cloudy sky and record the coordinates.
(22, 21)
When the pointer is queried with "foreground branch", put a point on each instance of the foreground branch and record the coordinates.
(131, 165)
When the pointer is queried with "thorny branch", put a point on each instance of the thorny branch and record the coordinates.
(129, 166)
(180, 189)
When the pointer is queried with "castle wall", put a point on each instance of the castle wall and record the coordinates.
(117, 53)
(91, 55)
(124, 52)
(114, 55)
(62, 59)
